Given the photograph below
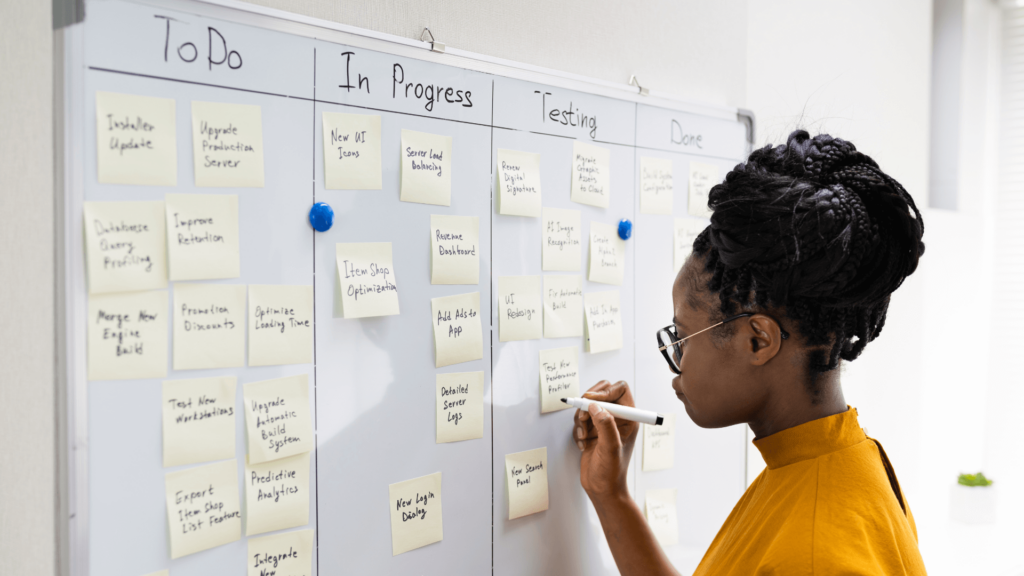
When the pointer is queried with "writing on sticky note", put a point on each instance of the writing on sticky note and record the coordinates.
(563, 306)
(662, 516)
(518, 183)
(209, 326)
(227, 144)
(660, 445)
(684, 232)
(351, 151)
(559, 377)
(277, 418)
(280, 325)
(603, 327)
(702, 178)
(454, 249)
(460, 406)
(590, 175)
(415, 513)
(561, 236)
(367, 279)
(520, 315)
(526, 482)
(286, 554)
(127, 335)
(198, 420)
(202, 507)
(202, 236)
(458, 336)
(426, 168)
(136, 140)
(125, 246)
(277, 494)
(655, 186)
(607, 254)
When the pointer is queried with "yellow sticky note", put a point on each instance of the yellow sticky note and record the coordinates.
(526, 475)
(662, 516)
(660, 445)
(209, 326)
(563, 306)
(199, 420)
(458, 336)
(454, 249)
(415, 513)
(603, 328)
(366, 279)
(285, 554)
(202, 236)
(561, 240)
(702, 178)
(655, 186)
(520, 314)
(125, 246)
(227, 144)
(202, 507)
(684, 232)
(135, 140)
(277, 418)
(159, 573)
(518, 183)
(351, 151)
(607, 254)
(590, 175)
(277, 494)
(460, 406)
(426, 168)
(559, 377)
(127, 336)
(280, 325)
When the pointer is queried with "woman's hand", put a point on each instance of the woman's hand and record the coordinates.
(606, 442)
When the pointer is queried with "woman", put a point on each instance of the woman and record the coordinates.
(806, 244)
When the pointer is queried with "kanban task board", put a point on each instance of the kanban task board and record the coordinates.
(373, 376)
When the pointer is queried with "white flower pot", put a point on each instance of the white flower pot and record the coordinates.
(972, 504)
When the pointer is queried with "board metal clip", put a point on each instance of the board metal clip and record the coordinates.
(435, 46)
(633, 82)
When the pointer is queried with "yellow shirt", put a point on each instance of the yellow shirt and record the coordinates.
(823, 505)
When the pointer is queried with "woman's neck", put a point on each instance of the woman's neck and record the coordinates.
(792, 404)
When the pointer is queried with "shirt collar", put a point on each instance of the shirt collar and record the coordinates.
(811, 439)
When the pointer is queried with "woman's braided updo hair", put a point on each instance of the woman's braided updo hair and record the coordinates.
(814, 228)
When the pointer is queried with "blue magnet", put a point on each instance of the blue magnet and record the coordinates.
(625, 229)
(321, 216)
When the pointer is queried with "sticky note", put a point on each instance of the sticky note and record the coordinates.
(198, 420)
(684, 232)
(202, 507)
(209, 326)
(202, 236)
(159, 573)
(276, 494)
(559, 377)
(415, 513)
(526, 481)
(590, 175)
(367, 279)
(227, 144)
(454, 249)
(125, 246)
(458, 336)
(662, 516)
(127, 335)
(280, 325)
(702, 178)
(660, 445)
(277, 418)
(460, 406)
(603, 327)
(351, 151)
(561, 240)
(426, 168)
(285, 554)
(520, 314)
(518, 183)
(607, 254)
(563, 306)
(135, 140)
(655, 186)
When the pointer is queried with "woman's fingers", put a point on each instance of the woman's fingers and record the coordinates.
(618, 393)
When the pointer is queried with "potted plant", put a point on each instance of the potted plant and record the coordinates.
(973, 500)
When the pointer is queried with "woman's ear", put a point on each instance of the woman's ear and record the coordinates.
(763, 337)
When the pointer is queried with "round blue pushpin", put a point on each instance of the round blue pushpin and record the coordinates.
(625, 229)
(321, 216)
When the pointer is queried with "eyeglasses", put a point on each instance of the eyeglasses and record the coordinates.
(668, 338)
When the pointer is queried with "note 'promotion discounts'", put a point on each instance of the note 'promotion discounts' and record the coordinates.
(209, 326)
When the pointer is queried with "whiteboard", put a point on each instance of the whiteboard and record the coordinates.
(373, 379)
